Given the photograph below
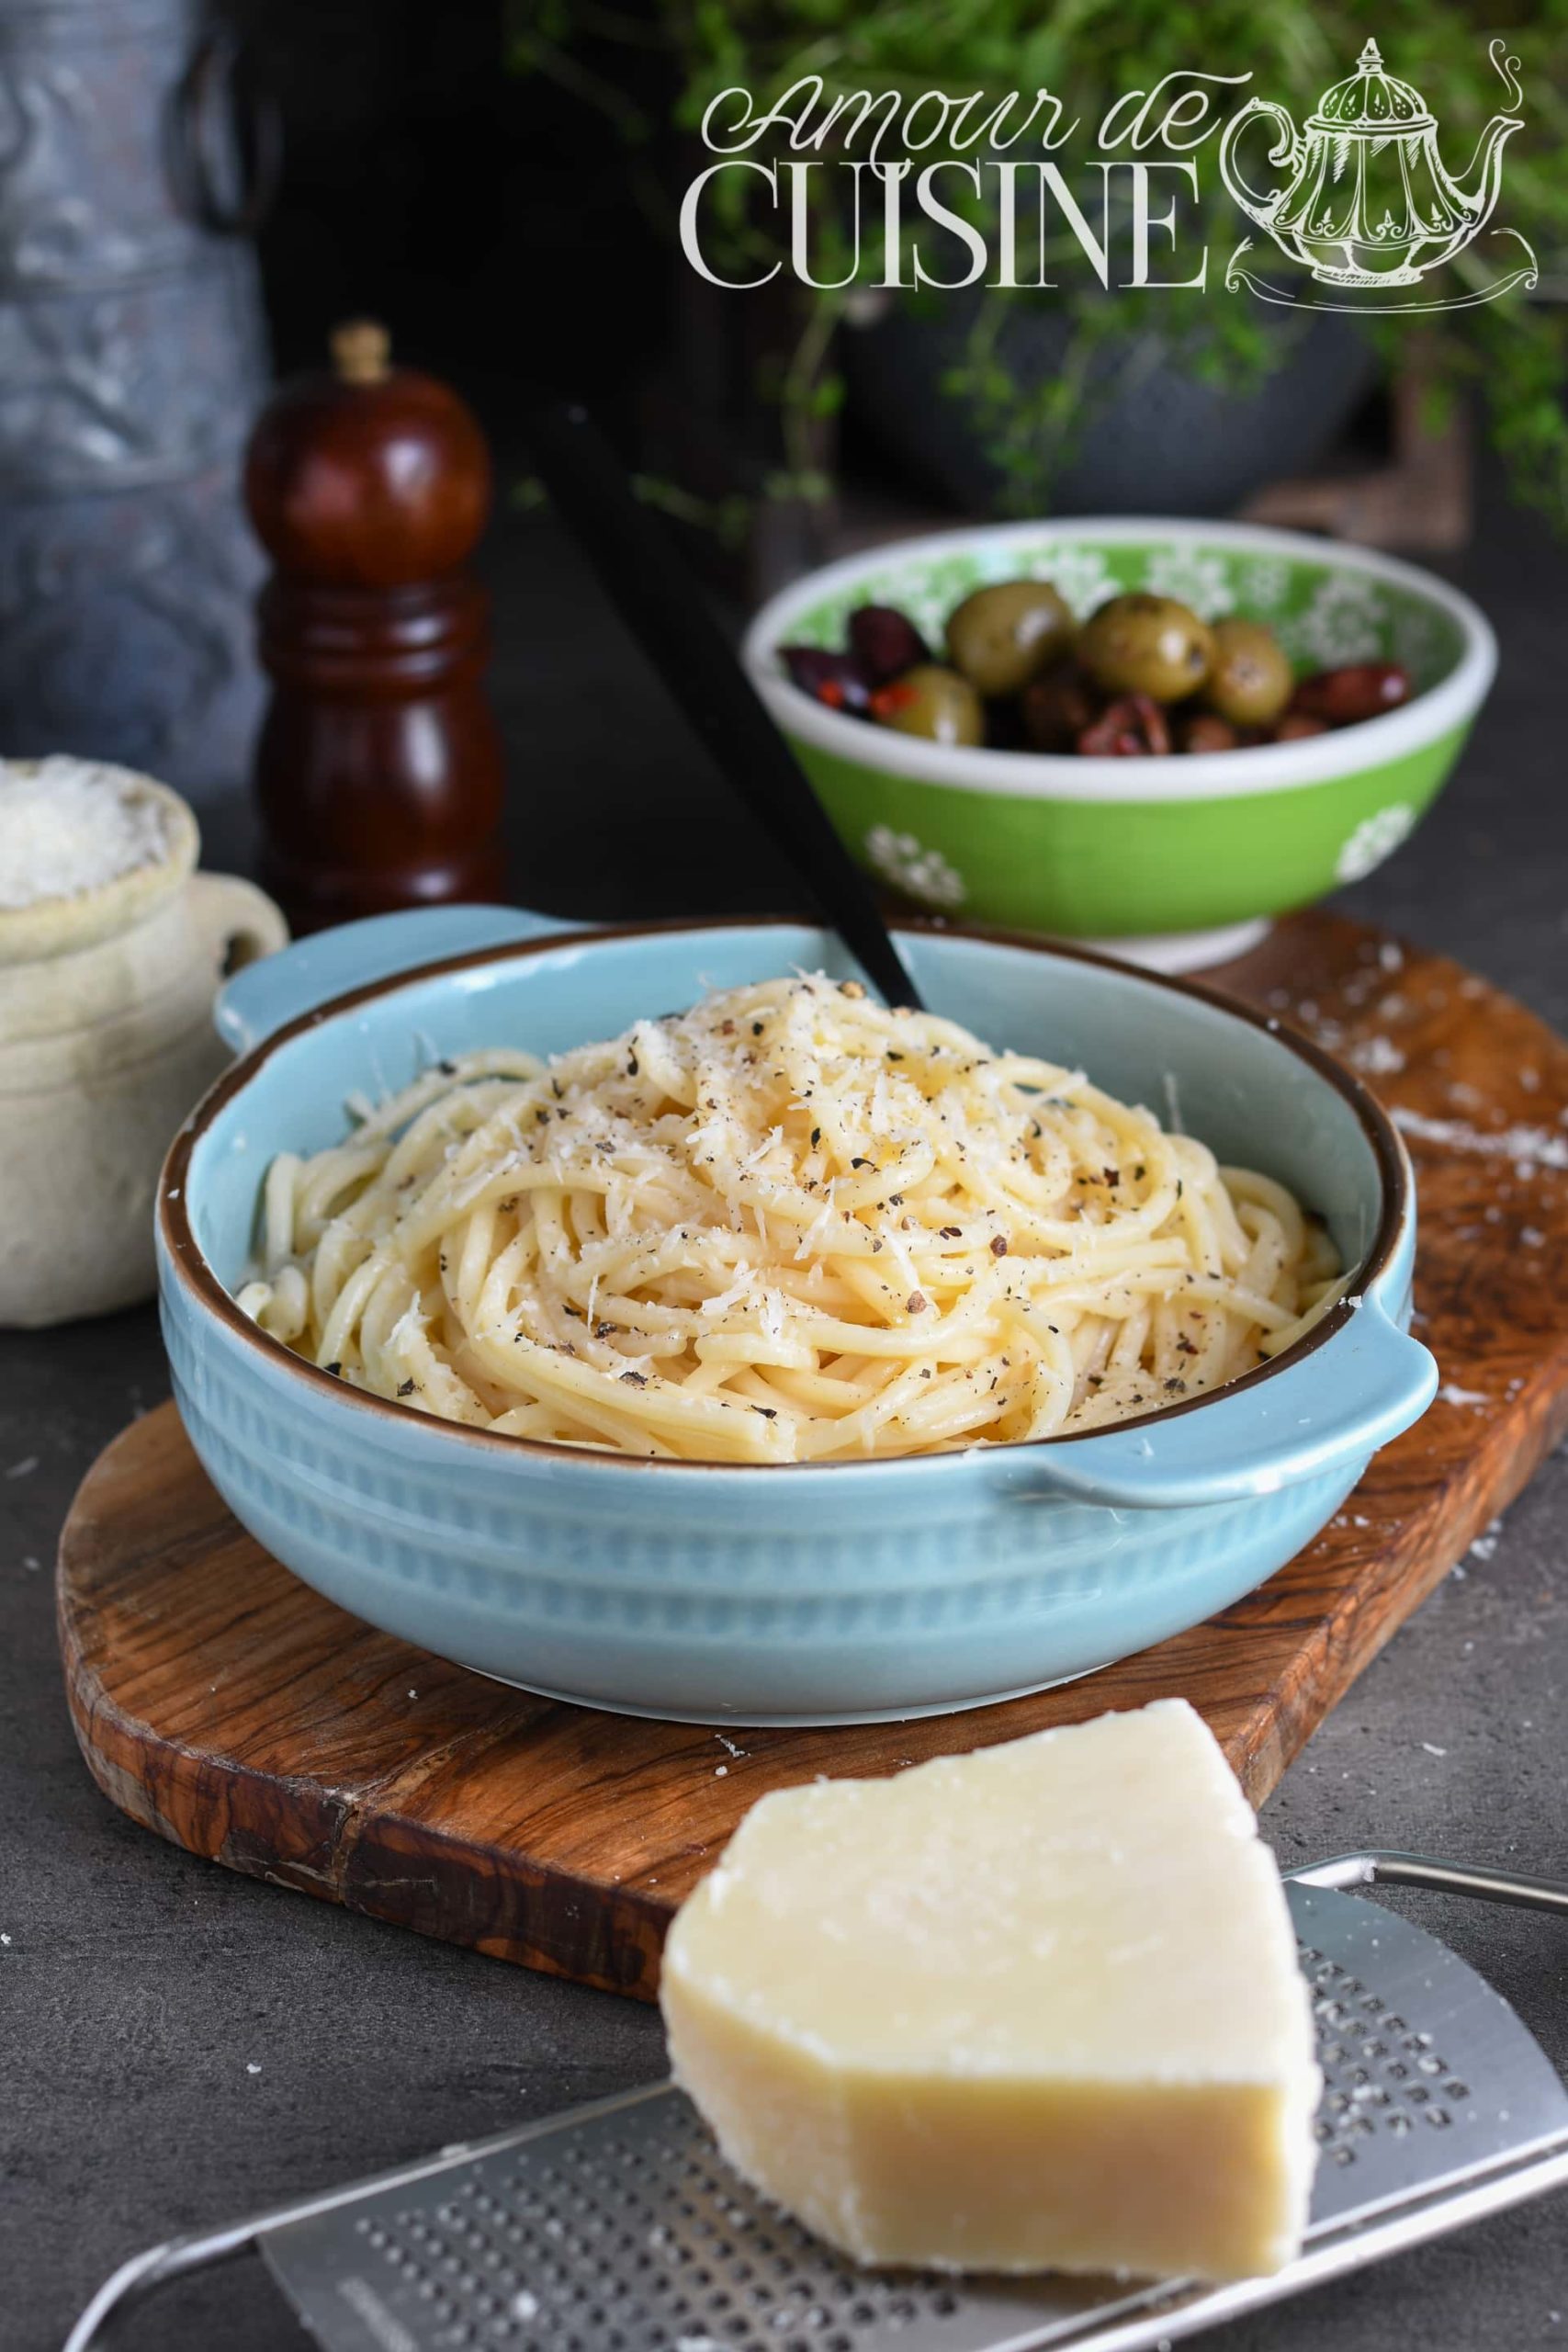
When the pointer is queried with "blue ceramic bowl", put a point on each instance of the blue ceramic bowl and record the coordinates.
(790, 1593)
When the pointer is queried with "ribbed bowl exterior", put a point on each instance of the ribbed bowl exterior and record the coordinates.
(828, 1595)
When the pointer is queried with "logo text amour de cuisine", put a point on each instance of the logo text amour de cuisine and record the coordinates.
(943, 191)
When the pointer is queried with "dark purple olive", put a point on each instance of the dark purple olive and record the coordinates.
(1344, 698)
(1057, 707)
(884, 643)
(830, 678)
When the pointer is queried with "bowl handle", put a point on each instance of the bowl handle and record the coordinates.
(1332, 1410)
(276, 988)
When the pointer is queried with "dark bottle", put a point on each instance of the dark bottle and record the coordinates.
(379, 771)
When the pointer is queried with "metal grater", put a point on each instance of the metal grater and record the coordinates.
(619, 2228)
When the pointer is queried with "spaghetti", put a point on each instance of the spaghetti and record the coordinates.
(787, 1226)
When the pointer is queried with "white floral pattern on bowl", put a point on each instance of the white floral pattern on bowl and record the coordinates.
(923, 873)
(1262, 585)
(1374, 839)
(1194, 576)
(1346, 621)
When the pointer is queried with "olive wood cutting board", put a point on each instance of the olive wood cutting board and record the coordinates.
(223, 1704)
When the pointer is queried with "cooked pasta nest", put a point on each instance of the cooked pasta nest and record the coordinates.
(786, 1225)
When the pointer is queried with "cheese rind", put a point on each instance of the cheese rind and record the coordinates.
(1035, 2008)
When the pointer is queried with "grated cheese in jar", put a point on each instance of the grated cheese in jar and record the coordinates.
(68, 826)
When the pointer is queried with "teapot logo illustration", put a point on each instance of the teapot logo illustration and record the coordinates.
(1364, 203)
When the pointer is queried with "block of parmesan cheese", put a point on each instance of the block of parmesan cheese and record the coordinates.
(1036, 2008)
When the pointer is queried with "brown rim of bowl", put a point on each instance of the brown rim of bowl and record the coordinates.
(185, 1256)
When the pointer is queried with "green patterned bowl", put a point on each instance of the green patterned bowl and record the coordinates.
(1174, 862)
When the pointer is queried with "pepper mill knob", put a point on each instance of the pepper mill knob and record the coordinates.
(379, 771)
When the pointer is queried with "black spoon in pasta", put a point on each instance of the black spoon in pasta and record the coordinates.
(648, 582)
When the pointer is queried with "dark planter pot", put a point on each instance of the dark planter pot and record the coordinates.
(1157, 441)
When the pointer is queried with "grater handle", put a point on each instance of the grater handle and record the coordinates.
(1380, 1869)
(152, 2268)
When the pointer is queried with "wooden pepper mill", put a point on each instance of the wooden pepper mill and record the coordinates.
(379, 770)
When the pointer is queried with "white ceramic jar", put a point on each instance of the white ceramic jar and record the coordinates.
(105, 1043)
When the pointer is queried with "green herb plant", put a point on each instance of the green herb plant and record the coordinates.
(1513, 351)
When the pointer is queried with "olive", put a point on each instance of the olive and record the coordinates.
(1297, 725)
(1057, 709)
(1250, 678)
(1146, 645)
(930, 701)
(1132, 729)
(1345, 697)
(884, 643)
(1206, 730)
(1001, 636)
(830, 678)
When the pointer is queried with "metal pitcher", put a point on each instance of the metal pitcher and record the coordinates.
(132, 357)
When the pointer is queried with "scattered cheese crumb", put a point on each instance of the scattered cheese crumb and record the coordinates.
(1527, 1146)
(1377, 1057)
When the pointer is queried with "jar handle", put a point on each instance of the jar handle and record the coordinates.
(239, 924)
(224, 140)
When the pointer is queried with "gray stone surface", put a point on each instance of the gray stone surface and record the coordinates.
(140, 1988)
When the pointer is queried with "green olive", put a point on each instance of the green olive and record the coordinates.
(1146, 645)
(930, 701)
(1250, 678)
(1001, 636)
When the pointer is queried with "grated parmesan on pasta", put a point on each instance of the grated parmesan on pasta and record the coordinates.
(787, 1226)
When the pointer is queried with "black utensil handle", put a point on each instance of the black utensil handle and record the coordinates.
(648, 583)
